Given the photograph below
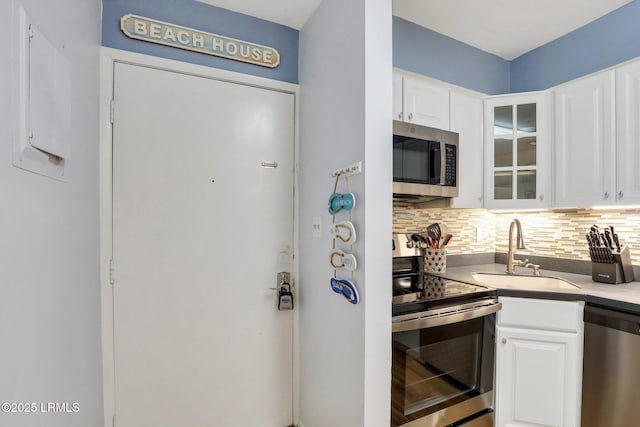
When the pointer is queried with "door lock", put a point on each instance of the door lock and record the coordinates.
(285, 295)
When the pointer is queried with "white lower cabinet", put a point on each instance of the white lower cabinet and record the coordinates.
(539, 363)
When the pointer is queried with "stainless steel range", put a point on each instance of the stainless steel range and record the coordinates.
(443, 344)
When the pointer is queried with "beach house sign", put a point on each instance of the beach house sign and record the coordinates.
(159, 32)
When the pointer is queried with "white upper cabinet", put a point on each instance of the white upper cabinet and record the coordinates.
(628, 133)
(398, 88)
(424, 102)
(517, 151)
(585, 142)
(466, 118)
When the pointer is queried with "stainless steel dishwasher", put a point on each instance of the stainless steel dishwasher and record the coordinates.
(611, 371)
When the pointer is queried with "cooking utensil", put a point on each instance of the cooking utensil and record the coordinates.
(432, 243)
(434, 232)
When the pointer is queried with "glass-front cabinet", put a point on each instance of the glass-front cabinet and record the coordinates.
(517, 162)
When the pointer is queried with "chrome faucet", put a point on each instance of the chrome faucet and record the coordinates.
(511, 263)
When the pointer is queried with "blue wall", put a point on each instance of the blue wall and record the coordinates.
(603, 43)
(612, 39)
(208, 18)
(608, 41)
(432, 54)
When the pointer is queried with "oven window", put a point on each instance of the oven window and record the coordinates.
(436, 368)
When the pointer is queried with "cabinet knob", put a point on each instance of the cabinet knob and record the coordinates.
(400, 116)
(410, 116)
(606, 195)
(504, 340)
(620, 194)
(541, 197)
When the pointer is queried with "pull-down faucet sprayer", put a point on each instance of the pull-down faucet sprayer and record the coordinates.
(511, 263)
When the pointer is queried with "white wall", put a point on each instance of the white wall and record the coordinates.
(378, 211)
(49, 260)
(345, 111)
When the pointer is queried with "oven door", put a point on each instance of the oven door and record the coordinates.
(443, 375)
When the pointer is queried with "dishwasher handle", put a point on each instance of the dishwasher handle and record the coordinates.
(608, 318)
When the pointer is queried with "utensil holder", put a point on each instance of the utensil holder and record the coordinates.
(618, 270)
(433, 287)
(435, 260)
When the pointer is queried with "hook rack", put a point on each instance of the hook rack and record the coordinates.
(352, 169)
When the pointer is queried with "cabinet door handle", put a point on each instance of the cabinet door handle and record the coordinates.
(541, 197)
(620, 194)
(410, 116)
(400, 116)
(606, 195)
(504, 340)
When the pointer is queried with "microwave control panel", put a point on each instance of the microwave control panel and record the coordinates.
(450, 165)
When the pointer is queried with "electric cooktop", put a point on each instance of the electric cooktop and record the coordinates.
(437, 292)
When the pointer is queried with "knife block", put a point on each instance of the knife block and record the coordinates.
(618, 271)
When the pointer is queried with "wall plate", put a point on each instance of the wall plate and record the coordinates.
(41, 96)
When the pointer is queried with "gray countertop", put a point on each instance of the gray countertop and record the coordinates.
(624, 296)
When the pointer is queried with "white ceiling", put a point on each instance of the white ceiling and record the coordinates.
(507, 28)
(292, 13)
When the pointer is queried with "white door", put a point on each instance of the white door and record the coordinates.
(200, 229)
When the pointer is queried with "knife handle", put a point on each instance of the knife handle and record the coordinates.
(608, 238)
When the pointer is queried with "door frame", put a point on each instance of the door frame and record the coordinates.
(108, 58)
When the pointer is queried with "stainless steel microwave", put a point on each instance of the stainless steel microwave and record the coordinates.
(425, 162)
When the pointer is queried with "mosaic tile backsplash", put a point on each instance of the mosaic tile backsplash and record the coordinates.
(559, 234)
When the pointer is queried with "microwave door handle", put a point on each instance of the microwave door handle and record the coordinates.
(435, 160)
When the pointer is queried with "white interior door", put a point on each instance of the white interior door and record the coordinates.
(200, 229)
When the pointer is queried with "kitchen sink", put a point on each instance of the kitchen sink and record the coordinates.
(514, 281)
